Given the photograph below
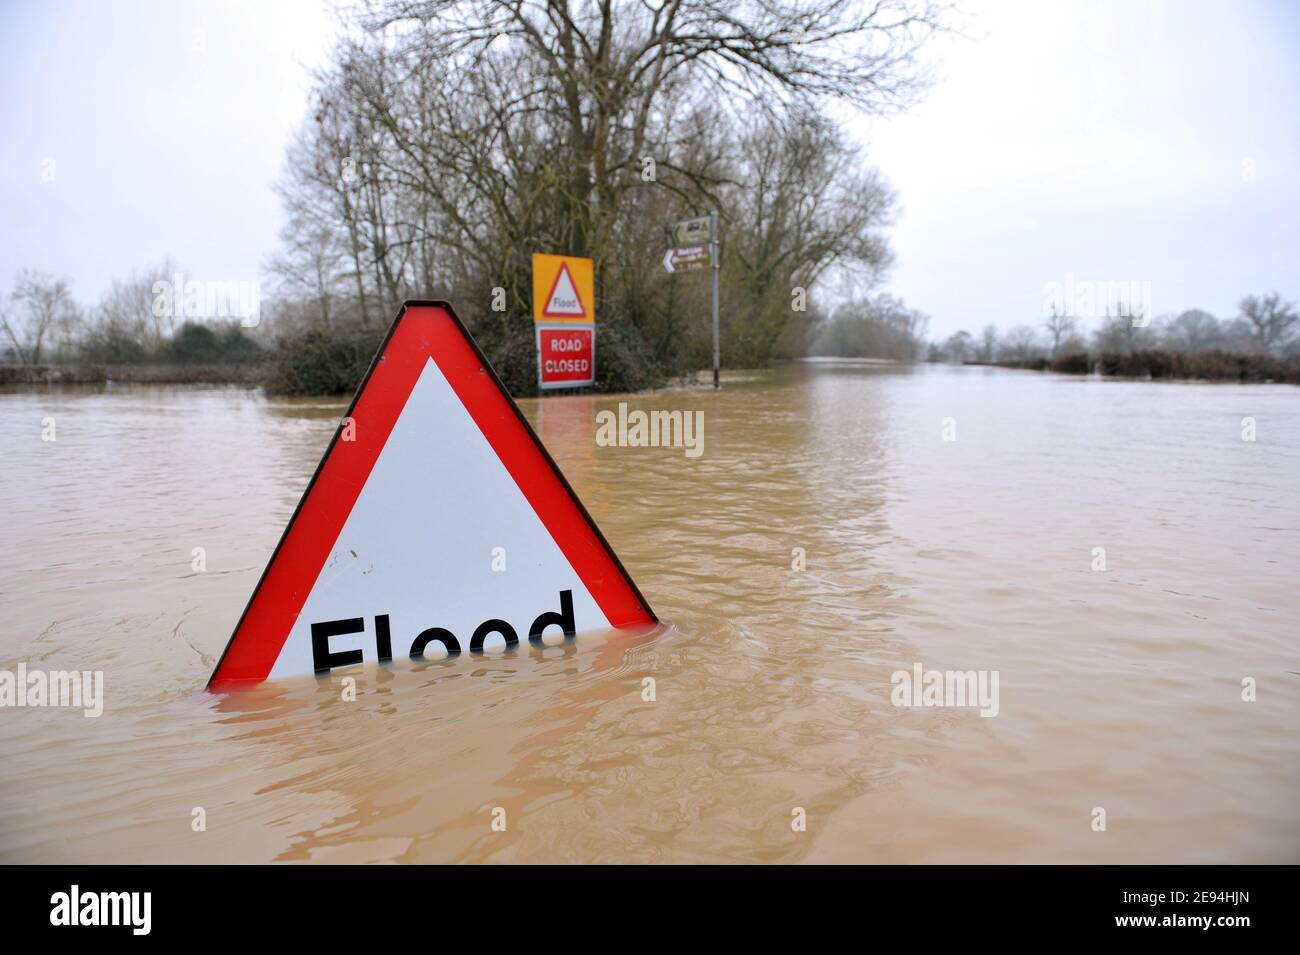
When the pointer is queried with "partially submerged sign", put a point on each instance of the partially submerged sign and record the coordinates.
(435, 519)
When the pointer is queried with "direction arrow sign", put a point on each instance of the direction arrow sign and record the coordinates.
(687, 260)
(436, 518)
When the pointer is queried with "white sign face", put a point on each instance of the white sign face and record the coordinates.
(442, 527)
(425, 561)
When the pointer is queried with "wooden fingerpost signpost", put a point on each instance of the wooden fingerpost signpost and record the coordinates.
(435, 522)
(696, 247)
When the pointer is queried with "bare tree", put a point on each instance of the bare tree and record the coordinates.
(1193, 331)
(601, 71)
(130, 309)
(881, 327)
(38, 306)
(1060, 327)
(1271, 319)
(450, 139)
(804, 203)
(988, 349)
(959, 347)
(1020, 344)
(1123, 330)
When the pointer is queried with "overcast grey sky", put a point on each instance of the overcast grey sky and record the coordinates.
(167, 122)
(1146, 140)
(1150, 140)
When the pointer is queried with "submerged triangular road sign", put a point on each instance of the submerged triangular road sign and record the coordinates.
(435, 517)
(563, 301)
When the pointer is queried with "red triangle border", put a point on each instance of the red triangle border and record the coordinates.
(546, 313)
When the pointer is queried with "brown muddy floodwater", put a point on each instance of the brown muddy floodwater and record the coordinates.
(1119, 688)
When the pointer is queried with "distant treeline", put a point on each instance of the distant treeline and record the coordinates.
(46, 336)
(41, 325)
(1158, 363)
(1260, 343)
(879, 327)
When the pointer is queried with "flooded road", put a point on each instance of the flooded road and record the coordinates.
(1115, 551)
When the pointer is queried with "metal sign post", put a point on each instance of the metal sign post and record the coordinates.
(691, 255)
(717, 267)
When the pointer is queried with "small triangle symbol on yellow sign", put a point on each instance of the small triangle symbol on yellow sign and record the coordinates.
(564, 300)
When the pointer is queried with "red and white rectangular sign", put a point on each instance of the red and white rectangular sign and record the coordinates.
(566, 355)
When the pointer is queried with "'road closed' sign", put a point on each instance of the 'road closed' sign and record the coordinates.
(566, 356)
